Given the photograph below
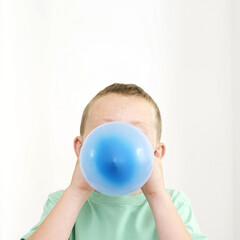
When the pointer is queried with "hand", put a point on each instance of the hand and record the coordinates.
(155, 183)
(78, 181)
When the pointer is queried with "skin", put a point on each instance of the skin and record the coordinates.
(136, 111)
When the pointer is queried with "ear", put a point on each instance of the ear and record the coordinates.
(77, 145)
(160, 150)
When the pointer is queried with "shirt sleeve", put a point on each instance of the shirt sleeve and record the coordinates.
(48, 206)
(185, 210)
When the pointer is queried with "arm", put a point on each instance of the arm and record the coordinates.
(59, 222)
(168, 222)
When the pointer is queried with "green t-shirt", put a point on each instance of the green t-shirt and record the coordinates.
(121, 218)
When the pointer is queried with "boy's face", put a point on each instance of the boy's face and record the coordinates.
(114, 107)
(134, 110)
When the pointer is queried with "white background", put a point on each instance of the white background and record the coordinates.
(56, 55)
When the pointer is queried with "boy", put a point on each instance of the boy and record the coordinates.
(152, 212)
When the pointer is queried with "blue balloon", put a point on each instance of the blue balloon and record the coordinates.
(116, 158)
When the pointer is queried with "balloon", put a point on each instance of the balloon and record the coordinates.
(116, 158)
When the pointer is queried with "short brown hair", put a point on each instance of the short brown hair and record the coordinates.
(126, 90)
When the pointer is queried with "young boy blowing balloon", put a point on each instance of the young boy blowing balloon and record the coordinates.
(152, 212)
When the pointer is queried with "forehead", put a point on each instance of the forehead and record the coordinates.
(122, 108)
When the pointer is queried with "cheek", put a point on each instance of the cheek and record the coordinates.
(150, 135)
(151, 139)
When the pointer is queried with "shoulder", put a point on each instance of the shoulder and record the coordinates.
(178, 197)
(55, 196)
(185, 210)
